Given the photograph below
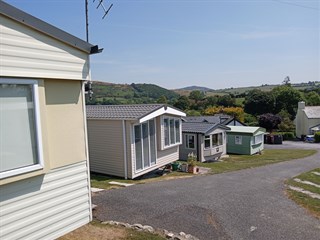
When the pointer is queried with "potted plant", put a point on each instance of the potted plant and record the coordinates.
(192, 163)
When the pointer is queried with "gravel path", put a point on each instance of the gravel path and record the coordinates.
(247, 204)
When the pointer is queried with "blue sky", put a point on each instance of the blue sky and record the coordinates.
(178, 43)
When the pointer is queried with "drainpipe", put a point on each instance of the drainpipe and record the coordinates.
(124, 149)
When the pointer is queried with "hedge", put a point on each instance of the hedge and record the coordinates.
(317, 137)
(287, 135)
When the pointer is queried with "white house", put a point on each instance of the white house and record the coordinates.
(307, 119)
(44, 171)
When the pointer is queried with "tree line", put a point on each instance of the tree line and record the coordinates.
(280, 104)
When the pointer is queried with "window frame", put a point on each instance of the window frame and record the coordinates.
(239, 141)
(151, 164)
(187, 141)
(37, 127)
(163, 137)
(260, 139)
(206, 138)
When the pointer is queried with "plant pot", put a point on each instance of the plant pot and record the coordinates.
(184, 167)
(175, 166)
(192, 169)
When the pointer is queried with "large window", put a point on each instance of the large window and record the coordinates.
(190, 141)
(172, 131)
(20, 131)
(258, 139)
(145, 144)
(213, 140)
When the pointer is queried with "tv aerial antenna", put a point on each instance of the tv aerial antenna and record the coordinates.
(105, 10)
(88, 85)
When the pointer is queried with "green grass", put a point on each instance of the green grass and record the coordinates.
(269, 156)
(102, 181)
(233, 163)
(311, 204)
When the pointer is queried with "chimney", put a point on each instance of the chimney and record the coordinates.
(301, 105)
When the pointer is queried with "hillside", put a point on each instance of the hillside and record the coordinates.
(242, 90)
(193, 88)
(110, 93)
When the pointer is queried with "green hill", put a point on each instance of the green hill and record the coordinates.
(242, 90)
(110, 93)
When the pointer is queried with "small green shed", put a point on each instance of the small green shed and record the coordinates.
(245, 140)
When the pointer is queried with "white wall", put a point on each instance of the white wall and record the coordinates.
(47, 206)
(26, 52)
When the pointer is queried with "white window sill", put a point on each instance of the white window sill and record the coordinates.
(19, 171)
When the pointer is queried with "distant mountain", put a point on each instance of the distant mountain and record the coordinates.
(193, 88)
(110, 93)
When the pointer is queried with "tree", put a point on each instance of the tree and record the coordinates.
(162, 99)
(193, 113)
(226, 101)
(286, 98)
(269, 121)
(286, 80)
(211, 101)
(258, 102)
(237, 112)
(182, 103)
(250, 120)
(312, 98)
(286, 124)
(196, 95)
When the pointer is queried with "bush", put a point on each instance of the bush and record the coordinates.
(287, 135)
(317, 137)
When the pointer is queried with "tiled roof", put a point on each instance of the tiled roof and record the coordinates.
(209, 119)
(312, 111)
(126, 112)
(200, 127)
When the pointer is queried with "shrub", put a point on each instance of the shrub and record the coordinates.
(317, 137)
(287, 135)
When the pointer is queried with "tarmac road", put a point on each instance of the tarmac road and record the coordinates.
(246, 204)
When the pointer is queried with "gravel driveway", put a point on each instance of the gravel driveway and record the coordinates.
(247, 204)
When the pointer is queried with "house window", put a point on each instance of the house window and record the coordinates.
(238, 140)
(172, 131)
(145, 144)
(190, 141)
(207, 140)
(20, 130)
(257, 139)
(217, 139)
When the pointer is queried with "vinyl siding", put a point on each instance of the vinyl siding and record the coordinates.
(106, 147)
(184, 151)
(46, 206)
(26, 52)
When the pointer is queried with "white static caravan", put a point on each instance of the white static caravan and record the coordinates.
(131, 140)
(206, 140)
(44, 172)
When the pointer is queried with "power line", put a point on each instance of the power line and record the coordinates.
(297, 5)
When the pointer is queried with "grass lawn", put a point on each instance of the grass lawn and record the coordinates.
(311, 204)
(233, 163)
(98, 231)
(102, 181)
(269, 156)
